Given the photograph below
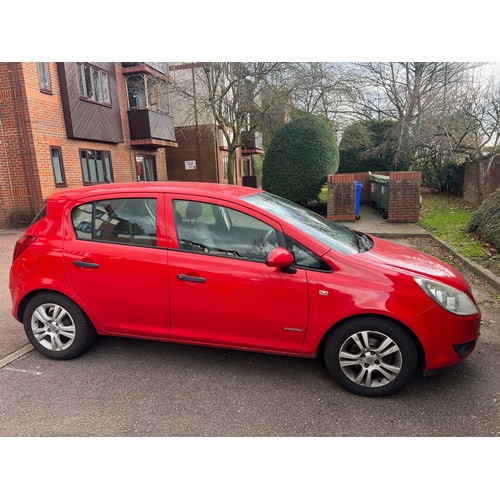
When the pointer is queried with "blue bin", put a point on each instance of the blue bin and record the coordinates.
(358, 198)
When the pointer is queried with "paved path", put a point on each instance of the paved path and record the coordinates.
(372, 223)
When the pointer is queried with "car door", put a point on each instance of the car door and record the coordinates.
(221, 290)
(116, 261)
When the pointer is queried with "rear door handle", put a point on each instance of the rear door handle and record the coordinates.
(191, 279)
(81, 263)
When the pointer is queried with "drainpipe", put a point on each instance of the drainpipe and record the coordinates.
(33, 201)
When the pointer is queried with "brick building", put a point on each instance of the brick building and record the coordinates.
(203, 154)
(71, 124)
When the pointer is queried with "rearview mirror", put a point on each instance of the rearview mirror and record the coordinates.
(279, 257)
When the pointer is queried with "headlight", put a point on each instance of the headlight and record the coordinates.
(450, 298)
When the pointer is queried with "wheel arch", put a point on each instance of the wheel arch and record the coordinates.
(26, 299)
(420, 350)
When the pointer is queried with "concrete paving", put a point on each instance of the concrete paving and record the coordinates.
(372, 223)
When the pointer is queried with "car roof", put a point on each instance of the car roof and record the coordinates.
(226, 191)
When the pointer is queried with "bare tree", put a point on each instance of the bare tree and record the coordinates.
(229, 93)
(471, 128)
(409, 93)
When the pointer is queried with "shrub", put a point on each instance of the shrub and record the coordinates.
(485, 220)
(444, 178)
(366, 145)
(301, 155)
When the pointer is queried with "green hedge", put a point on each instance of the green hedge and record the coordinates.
(485, 220)
(301, 155)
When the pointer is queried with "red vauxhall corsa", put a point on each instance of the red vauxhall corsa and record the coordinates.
(240, 268)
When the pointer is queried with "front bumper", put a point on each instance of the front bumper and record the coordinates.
(447, 339)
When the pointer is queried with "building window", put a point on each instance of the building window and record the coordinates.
(44, 77)
(96, 166)
(146, 168)
(93, 83)
(57, 166)
(147, 92)
(225, 161)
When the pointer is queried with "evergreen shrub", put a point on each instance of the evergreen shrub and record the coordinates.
(300, 156)
(485, 220)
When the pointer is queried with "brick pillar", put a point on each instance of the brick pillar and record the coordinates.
(404, 196)
(341, 200)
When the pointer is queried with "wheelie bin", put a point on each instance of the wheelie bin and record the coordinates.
(358, 198)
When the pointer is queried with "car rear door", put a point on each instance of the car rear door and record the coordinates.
(221, 290)
(116, 260)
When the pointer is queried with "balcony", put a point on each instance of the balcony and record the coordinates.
(150, 128)
(251, 142)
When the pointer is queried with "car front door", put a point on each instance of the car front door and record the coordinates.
(221, 290)
(117, 266)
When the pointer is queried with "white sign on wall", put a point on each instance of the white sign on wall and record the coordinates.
(190, 165)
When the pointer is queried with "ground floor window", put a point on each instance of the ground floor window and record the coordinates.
(96, 166)
(225, 161)
(57, 166)
(146, 168)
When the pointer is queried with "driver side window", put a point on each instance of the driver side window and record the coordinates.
(217, 230)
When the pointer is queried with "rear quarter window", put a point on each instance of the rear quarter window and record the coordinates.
(125, 220)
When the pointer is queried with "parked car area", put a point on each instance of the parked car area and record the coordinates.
(240, 268)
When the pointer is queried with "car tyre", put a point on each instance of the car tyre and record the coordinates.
(57, 327)
(371, 356)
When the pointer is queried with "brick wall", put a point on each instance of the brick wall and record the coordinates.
(198, 144)
(341, 197)
(18, 189)
(404, 196)
(471, 190)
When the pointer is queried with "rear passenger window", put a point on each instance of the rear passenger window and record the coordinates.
(126, 220)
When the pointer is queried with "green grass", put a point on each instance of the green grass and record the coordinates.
(323, 194)
(446, 217)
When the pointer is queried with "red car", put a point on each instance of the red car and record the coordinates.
(240, 268)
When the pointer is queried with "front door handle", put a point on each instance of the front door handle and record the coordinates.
(81, 263)
(191, 279)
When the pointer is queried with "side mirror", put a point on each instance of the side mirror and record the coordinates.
(279, 257)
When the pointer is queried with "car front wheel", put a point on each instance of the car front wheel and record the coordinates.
(57, 327)
(371, 356)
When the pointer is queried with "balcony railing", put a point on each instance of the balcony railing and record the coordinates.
(251, 141)
(149, 124)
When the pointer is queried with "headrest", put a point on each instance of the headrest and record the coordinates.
(194, 210)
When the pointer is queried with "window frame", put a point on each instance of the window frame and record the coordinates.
(63, 182)
(102, 75)
(45, 89)
(105, 154)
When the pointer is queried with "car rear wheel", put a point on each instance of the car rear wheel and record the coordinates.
(57, 327)
(371, 356)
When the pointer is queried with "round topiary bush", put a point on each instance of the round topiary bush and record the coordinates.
(485, 220)
(301, 155)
